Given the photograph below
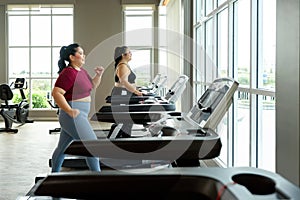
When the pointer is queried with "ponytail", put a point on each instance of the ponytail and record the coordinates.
(118, 54)
(65, 53)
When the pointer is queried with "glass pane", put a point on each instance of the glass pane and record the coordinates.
(138, 12)
(199, 69)
(242, 41)
(140, 7)
(135, 28)
(208, 7)
(222, 130)
(223, 44)
(64, 11)
(163, 63)
(18, 31)
(197, 92)
(62, 30)
(40, 92)
(209, 49)
(266, 133)
(267, 45)
(40, 30)
(141, 65)
(41, 62)
(18, 62)
(199, 9)
(221, 1)
(242, 134)
(163, 36)
(55, 58)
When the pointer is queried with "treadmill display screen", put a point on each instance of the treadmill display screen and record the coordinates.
(207, 103)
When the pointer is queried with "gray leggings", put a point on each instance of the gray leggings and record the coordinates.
(78, 128)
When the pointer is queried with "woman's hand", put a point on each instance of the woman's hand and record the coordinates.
(73, 113)
(138, 93)
(99, 70)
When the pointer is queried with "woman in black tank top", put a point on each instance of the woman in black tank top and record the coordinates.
(124, 85)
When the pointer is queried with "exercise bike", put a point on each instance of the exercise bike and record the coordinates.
(14, 112)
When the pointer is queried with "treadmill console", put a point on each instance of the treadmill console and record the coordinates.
(205, 115)
(214, 103)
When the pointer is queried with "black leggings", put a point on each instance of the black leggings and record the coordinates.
(115, 93)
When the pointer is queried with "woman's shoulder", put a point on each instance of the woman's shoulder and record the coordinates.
(123, 66)
(68, 71)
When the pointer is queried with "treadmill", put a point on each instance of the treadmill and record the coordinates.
(122, 103)
(197, 126)
(147, 113)
(176, 183)
(199, 122)
(124, 116)
(147, 110)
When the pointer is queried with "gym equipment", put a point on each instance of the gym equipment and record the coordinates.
(206, 114)
(14, 113)
(185, 150)
(152, 105)
(156, 85)
(125, 115)
(147, 94)
(175, 183)
(153, 84)
(55, 130)
(196, 125)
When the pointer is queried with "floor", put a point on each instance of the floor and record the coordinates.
(23, 156)
(26, 154)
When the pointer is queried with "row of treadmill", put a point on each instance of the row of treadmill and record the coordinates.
(161, 160)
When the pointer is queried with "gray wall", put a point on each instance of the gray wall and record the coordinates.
(94, 24)
(287, 90)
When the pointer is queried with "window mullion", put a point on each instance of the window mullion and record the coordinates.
(253, 83)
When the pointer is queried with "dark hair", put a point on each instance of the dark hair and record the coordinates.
(118, 54)
(65, 53)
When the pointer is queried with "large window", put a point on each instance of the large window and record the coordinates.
(138, 28)
(236, 38)
(35, 35)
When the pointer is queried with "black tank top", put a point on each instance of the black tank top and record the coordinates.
(131, 76)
